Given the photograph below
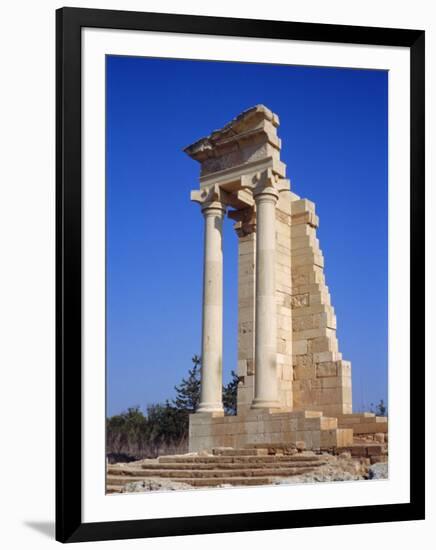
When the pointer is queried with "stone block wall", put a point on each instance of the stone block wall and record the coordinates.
(284, 301)
(311, 373)
(321, 379)
(207, 431)
(364, 423)
(246, 311)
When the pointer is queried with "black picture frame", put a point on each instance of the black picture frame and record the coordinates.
(69, 525)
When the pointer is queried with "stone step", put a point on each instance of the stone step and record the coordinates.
(228, 465)
(235, 481)
(116, 481)
(365, 449)
(240, 452)
(237, 459)
(116, 485)
(112, 489)
(245, 472)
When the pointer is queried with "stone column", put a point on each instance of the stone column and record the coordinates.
(266, 385)
(212, 336)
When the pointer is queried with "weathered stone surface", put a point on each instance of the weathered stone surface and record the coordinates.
(378, 470)
(288, 352)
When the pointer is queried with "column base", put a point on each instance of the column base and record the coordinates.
(265, 404)
(210, 408)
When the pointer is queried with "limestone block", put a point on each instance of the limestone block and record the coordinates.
(289, 424)
(283, 283)
(304, 373)
(336, 438)
(245, 328)
(316, 440)
(302, 230)
(302, 384)
(328, 396)
(316, 320)
(242, 367)
(305, 242)
(283, 250)
(311, 288)
(204, 430)
(304, 277)
(287, 372)
(284, 322)
(286, 398)
(314, 250)
(245, 291)
(303, 323)
(246, 246)
(346, 395)
(344, 368)
(326, 356)
(284, 360)
(282, 216)
(283, 269)
(306, 436)
(344, 381)
(305, 218)
(245, 396)
(300, 347)
(283, 257)
(308, 259)
(299, 301)
(320, 297)
(301, 206)
(312, 423)
(310, 310)
(329, 382)
(283, 334)
(205, 417)
(284, 346)
(328, 423)
(283, 222)
(283, 239)
(249, 380)
(323, 343)
(348, 422)
(302, 360)
(328, 368)
(246, 315)
(250, 369)
(333, 409)
(283, 299)
(310, 414)
(310, 334)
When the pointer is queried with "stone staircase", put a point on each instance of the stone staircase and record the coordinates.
(236, 467)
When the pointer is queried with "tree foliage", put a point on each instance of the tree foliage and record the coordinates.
(230, 394)
(165, 426)
(380, 409)
(188, 391)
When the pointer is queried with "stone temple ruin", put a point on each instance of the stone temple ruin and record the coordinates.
(294, 384)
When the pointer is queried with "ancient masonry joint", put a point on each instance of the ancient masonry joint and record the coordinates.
(294, 385)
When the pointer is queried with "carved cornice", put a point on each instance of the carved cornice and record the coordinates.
(253, 121)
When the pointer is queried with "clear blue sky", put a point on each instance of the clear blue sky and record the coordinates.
(333, 125)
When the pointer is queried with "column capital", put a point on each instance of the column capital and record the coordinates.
(265, 185)
(210, 199)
